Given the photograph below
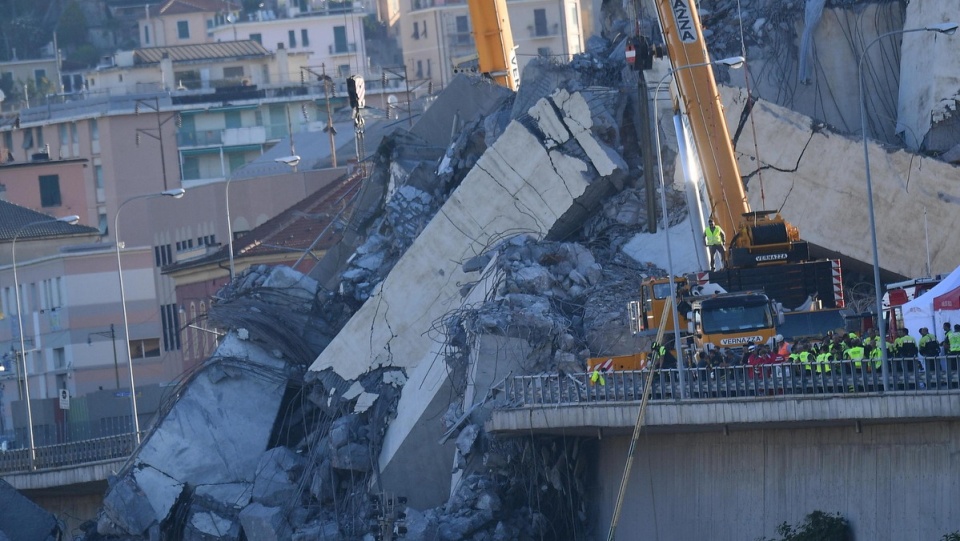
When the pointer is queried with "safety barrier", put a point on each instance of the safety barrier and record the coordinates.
(770, 380)
(68, 454)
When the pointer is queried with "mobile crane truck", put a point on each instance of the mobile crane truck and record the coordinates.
(767, 265)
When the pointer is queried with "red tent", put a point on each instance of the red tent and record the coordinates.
(948, 301)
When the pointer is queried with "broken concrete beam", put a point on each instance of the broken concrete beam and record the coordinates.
(138, 501)
(819, 179)
(205, 525)
(21, 519)
(183, 447)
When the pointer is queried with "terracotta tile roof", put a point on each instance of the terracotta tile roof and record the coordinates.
(200, 51)
(293, 230)
(14, 218)
(178, 7)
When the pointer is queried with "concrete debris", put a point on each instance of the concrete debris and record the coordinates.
(21, 519)
(276, 479)
(298, 462)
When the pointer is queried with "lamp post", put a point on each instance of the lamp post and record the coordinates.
(176, 193)
(942, 28)
(734, 62)
(23, 353)
(113, 338)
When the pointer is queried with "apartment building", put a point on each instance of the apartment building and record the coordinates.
(436, 35)
(331, 33)
(97, 154)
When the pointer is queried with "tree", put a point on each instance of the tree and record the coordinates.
(72, 27)
(817, 526)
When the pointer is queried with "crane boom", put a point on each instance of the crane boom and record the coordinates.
(698, 93)
(496, 55)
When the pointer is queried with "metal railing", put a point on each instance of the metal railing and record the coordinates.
(771, 380)
(68, 454)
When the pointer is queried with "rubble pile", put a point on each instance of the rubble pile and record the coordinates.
(300, 461)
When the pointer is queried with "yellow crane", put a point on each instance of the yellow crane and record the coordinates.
(496, 54)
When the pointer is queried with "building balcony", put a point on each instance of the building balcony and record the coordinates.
(250, 135)
(544, 31)
(349, 49)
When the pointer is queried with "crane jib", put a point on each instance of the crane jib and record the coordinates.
(684, 20)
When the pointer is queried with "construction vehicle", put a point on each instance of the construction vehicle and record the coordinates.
(496, 54)
(765, 253)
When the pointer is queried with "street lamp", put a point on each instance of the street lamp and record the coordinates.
(733, 62)
(23, 353)
(948, 28)
(176, 193)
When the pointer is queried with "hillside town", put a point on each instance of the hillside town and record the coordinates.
(365, 289)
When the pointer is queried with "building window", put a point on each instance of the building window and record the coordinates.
(540, 22)
(304, 38)
(257, 37)
(429, 72)
(27, 138)
(94, 130)
(463, 30)
(232, 119)
(146, 35)
(74, 138)
(98, 176)
(233, 72)
(40, 77)
(292, 38)
(170, 317)
(59, 359)
(191, 168)
(340, 39)
(183, 29)
(62, 128)
(544, 51)
(419, 69)
(39, 136)
(144, 348)
(50, 190)
(163, 255)
(416, 30)
(103, 225)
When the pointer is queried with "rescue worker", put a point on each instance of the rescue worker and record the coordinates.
(905, 349)
(953, 338)
(855, 353)
(715, 240)
(929, 349)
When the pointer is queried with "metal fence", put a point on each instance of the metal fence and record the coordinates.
(68, 454)
(771, 380)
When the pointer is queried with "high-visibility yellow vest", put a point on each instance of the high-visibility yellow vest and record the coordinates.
(713, 235)
(597, 377)
(855, 354)
(823, 362)
(954, 338)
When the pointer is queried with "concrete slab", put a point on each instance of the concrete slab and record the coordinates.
(818, 177)
(929, 78)
(21, 519)
(525, 187)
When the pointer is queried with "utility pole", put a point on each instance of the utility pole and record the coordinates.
(159, 135)
(113, 338)
(324, 80)
(331, 131)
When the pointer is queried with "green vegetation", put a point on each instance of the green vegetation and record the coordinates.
(818, 526)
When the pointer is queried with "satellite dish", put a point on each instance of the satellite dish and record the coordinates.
(231, 18)
(2, 96)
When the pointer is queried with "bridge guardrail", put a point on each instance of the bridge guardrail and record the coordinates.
(68, 454)
(768, 380)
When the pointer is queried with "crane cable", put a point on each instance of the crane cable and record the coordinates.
(749, 104)
(639, 424)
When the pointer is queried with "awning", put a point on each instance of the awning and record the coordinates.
(223, 109)
(216, 150)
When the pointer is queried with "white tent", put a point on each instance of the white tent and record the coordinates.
(920, 311)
